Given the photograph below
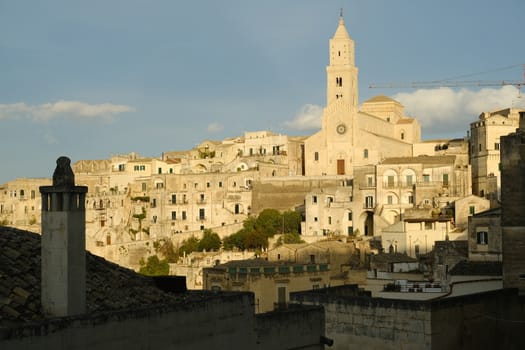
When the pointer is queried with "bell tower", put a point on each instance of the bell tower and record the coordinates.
(341, 73)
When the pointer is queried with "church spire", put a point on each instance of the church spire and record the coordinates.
(341, 70)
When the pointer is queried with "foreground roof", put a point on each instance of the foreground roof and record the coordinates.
(109, 287)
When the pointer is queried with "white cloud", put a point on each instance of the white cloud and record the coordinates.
(62, 109)
(215, 127)
(444, 109)
(308, 118)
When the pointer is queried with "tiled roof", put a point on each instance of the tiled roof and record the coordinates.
(380, 98)
(108, 286)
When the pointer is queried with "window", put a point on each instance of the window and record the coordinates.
(426, 178)
(445, 179)
(428, 225)
(159, 185)
(496, 146)
(316, 156)
(409, 180)
(173, 199)
(220, 183)
(482, 237)
(208, 184)
(236, 209)
(350, 230)
(370, 181)
(329, 200)
(315, 218)
(144, 187)
(410, 199)
(402, 136)
(173, 215)
(183, 215)
(329, 220)
(365, 153)
(390, 181)
(472, 210)
(159, 170)
(202, 213)
(32, 194)
(312, 259)
(339, 80)
(154, 203)
(314, 199)
(184, 198)
(369, 202)
(390, 199)
(349, 216)
(195, 185)
(121, 167)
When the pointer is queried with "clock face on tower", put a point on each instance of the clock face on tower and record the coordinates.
(341, 129)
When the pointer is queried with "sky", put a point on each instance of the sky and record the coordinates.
(91, 79)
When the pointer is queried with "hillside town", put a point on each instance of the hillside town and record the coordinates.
(363, 233)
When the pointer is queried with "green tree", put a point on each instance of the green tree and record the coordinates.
(154, 267)
(189, 245)
(255, 240)
(235, 240)
(291, 222)
(209, 241)
(269, 222)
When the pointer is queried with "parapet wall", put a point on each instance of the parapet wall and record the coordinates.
(192, 325)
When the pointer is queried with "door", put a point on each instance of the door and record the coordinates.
(340, 167)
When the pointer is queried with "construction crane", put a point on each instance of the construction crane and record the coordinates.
(453, 83)
(447, 83)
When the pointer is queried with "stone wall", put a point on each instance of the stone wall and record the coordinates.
(190, 325)
(286, 193)
(489, 320)
(224, 321)
(372, 323)
(274, 329)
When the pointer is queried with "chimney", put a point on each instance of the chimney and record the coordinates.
(63, 247)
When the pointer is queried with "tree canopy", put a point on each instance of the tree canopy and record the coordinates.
(257, 230)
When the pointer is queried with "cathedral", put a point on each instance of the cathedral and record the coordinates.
(351, 136)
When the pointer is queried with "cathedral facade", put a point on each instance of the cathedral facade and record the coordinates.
(350, 136)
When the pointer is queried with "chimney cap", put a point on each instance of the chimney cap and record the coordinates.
(63, 178)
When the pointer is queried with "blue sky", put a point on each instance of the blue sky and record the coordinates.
(89, 79)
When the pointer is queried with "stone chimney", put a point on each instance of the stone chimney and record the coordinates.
(63, 244)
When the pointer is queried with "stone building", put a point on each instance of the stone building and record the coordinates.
(513, 207)
(485, 144)
(484, 236)
(271, 281)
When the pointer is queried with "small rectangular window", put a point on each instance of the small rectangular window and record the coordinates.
(314, 199)
(482, 237)
(496, 146)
